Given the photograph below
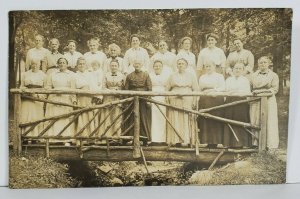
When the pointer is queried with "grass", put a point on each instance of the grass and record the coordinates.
(262, 168)
(38, 172)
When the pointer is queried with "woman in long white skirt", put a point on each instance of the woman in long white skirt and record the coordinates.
(33, 110)
(159, 78)
(62, 80)
(83, 82)
(265, 80)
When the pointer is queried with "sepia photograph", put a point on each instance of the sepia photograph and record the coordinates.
(148, 97)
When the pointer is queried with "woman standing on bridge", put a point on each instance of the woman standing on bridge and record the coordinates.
(63, 79)
(237, 85)
(113, 80)
(265, 81)
(33, 110)
(139, 80)
(211, 83)
(159, 80)
(83, 82)
(183, 123)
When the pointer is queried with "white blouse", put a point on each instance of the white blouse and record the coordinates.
(215, 55)
(168, 59)
(131, 55)
(72, 58)
(97, 56)
(238, 85)
(213, 81)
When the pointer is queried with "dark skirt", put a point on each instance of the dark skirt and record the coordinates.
(145, 119)
(240, 113)
(211, 131)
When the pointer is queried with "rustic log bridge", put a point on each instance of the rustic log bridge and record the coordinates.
(132, 153)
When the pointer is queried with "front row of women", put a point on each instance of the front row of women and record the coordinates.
(179, 128)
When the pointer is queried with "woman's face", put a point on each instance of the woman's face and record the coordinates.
(181, 65)
(135, 42)
(157, 67)
(163, 47)
(39, 42)
(209, 68)
(238, 45)
(263, 64)
(211, 42)
(114, 66)
(62, 64)
(137, 65)
(35, 66)
(81, 65)
(186, 44)
(238, 70)
(72, 47)
(113, 52)
(93, 46)
(54, 45)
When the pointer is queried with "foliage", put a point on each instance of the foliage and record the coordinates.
(38, 172)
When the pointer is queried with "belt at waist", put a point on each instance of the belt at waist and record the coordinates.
(33, 86)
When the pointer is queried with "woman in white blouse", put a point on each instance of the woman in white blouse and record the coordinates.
(63, 79)
(159, 78)
(212, 54)
(83, 82)
(114, 52)
(94, 54)
(211, 83)
(185, 46)
(72, 55)
(33, 110)
(237, 85)
(184, 123)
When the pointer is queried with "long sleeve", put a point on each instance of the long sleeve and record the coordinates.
(274, 84)
(220, 84)
(250, 65)
(28, 60)
(126, 86)
(126, 62)
(223, 58)
(148, 83)
(195, 86)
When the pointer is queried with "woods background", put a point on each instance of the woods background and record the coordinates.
(263, 31)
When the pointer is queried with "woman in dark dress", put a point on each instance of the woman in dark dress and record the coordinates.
(212, 83)
(139, 80)
(237, 85)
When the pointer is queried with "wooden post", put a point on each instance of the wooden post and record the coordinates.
(263, 124)
(136, 133)
(47, 148)
(17, 134)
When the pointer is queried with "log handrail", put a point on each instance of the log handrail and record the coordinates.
(128, 93)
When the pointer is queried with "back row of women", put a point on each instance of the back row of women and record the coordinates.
(164, 71)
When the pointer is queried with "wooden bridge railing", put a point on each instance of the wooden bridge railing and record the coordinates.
(134, 98)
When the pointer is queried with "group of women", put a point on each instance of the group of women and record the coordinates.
(164, 71)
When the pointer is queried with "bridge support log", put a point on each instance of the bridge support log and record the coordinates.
(263, 124)
(136, 135)
(17, 137)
